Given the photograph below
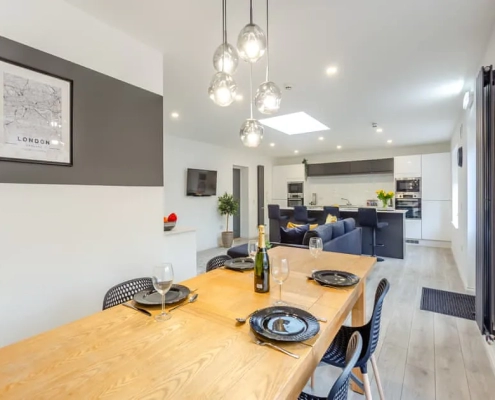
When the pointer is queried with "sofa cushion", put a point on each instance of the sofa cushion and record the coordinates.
(349, 224)
(294, 235)
(331, 219)
(293, 225)
(338, 229)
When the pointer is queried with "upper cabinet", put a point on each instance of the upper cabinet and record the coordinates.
(283, 174)
(407, 166)
(436, 181)
(385, 165)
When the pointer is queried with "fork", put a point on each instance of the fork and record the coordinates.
(273, 346)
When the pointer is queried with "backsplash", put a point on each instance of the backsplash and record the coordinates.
(356, 188)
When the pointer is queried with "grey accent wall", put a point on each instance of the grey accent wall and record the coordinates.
(117, 128)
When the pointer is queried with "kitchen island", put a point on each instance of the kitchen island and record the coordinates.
(392, 237)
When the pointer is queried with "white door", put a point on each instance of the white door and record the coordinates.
(436, 181)
(436, 216)
(413, 229)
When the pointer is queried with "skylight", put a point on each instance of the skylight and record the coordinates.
(295, 123)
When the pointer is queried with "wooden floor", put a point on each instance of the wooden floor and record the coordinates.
(422, 355)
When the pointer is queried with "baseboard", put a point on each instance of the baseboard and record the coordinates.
(490, 351)
(431, 243)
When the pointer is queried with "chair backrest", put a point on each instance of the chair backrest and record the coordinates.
(300, 213)
(125, 291)
(368, 217)
(217, 262)
(335, 211)
(273, 211)
(372, 328)
(341, 386)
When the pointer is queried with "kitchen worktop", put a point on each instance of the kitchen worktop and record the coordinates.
(352, 209)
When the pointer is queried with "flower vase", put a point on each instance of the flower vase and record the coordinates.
(385, 203)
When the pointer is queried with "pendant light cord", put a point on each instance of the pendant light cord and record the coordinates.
(224, 22)
(267, 45)
(251, 100)
(251, 12)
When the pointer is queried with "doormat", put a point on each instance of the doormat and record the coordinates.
(448, 303)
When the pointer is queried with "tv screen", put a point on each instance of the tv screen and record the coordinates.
(201, 182)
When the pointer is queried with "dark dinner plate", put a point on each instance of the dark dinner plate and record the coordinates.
(240, 264)
(176, 294)
(335, 278)
(285, 324)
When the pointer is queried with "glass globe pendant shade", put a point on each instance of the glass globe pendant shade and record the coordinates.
(251, 43)
(226, 59)
(268, 98)
(251, 133)
(222, 89)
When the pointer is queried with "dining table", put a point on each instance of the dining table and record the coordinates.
(201, 352)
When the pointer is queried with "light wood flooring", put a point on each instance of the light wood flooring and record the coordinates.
(422, 355)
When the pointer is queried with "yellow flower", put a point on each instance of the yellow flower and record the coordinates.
(390, 193)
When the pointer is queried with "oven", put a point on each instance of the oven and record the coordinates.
(295, 202)
(295, 187)
(411, 203)
(408, 185)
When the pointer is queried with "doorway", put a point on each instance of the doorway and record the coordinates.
(236, 191)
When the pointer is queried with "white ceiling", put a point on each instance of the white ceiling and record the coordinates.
(401, 64)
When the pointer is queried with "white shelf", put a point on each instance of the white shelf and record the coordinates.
(179, 230)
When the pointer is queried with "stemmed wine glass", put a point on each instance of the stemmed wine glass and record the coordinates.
(315, 246)
(280, 272)
(163, 276)
(252, 248)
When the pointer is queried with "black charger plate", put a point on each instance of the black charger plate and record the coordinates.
(285, 324)
(240, 264)
(335, 278)
(176, 294)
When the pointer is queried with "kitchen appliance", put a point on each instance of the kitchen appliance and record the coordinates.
(295, 187)
(411, 202)
(295, 199)
(408, 185)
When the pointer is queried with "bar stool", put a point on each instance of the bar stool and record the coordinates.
(274, 213)
(301, 215)
(368, 218)
(328, 210)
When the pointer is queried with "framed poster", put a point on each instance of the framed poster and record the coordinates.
(36, 116)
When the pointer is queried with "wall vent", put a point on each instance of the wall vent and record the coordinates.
(413, 241)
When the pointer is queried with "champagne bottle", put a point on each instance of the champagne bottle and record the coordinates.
(261, 265)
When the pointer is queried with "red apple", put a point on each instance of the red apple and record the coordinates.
(172, 218)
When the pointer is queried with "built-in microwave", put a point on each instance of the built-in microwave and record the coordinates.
(408, 185)
(295, 187)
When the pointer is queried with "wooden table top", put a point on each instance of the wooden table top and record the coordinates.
(200, 353)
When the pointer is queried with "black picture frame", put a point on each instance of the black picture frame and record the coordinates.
(70, 113)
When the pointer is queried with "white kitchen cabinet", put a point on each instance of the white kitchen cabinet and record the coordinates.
(407, 166)
(436, 217)
(295, 173)
(413, 229)
(283, 174)
(436, 181)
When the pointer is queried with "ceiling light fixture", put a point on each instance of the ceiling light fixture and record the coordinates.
(239, 97)
(268, 96)
(272, 144)
(223, 88)
(175, 115)
(389, 141)
(296, 151)
(295, 123)
(251, 130)
(251, 42)
(332, 70)
(339, 147)
(379, 130)
(321, 138)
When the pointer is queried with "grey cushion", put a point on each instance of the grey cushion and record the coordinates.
(338, 229)
(349, 224)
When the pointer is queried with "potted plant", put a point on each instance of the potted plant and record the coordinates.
(384, 196)
(228, 206)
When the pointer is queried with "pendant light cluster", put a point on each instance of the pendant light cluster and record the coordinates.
(252, 44)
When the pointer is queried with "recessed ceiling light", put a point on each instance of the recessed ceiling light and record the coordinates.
(239, 97)
(339, 147)
(332, 70)
(295, 123)
(175, 115)
(296, 151)
(321, 138)
(272, 144)
(389, 141)
(379, 130)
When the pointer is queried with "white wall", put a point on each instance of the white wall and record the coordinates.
(385, 152)
(62, 247)
(356, 188)
(58, 28)
(201, 212)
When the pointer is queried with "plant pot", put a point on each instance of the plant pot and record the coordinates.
(227, 238)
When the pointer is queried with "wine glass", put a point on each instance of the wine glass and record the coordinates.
(163, 276)
(252, 248)
(315, 246)
(280, 272)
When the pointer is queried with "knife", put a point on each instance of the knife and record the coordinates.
(142, 310)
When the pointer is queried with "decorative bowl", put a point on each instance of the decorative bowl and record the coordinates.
(168, 226)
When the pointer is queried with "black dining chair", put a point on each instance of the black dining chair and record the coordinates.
(329, 210)
(217, 262)
(125, 291)
(274, 213)
(336, 353)
(301, 215)
(368, 218)
(341, 386)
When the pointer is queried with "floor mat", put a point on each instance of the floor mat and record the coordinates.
(448, 303)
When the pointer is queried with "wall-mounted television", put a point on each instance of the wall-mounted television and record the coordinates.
(201, 182)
